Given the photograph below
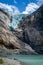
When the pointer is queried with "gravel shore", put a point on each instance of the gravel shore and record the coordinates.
(11, 62)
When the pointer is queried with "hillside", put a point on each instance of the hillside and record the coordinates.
(8, 40)
(27, 38)
(32, 30)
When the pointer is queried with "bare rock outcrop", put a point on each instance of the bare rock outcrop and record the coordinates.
(8, 39)
(32, 27)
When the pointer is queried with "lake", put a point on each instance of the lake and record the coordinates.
(29, 59)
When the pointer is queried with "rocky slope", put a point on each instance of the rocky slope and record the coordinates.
(8, 39)
(32, 30)
(7, 61)
(27, 38)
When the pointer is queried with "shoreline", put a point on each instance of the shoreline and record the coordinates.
(8, 61)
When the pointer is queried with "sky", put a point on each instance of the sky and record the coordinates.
(20, 6)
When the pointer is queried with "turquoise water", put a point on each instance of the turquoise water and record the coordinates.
(29, 59)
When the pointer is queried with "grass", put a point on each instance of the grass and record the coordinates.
(1, 61)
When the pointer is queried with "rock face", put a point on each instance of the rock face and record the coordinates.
(8, 38)
(28, 37)
(32, 30)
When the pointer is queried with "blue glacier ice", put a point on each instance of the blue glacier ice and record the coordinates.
(16, 20)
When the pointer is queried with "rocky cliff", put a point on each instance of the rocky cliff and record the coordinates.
(27, 38)
(32, 30)
(8, 39)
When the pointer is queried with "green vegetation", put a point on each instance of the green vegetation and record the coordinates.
(1, 61)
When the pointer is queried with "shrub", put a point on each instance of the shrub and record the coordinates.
(1, 61)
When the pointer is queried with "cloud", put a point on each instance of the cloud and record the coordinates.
(15, 1)
(30, 8)
(9, 8)
(39, 2)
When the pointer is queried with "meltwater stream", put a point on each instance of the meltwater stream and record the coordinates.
(29, 59)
